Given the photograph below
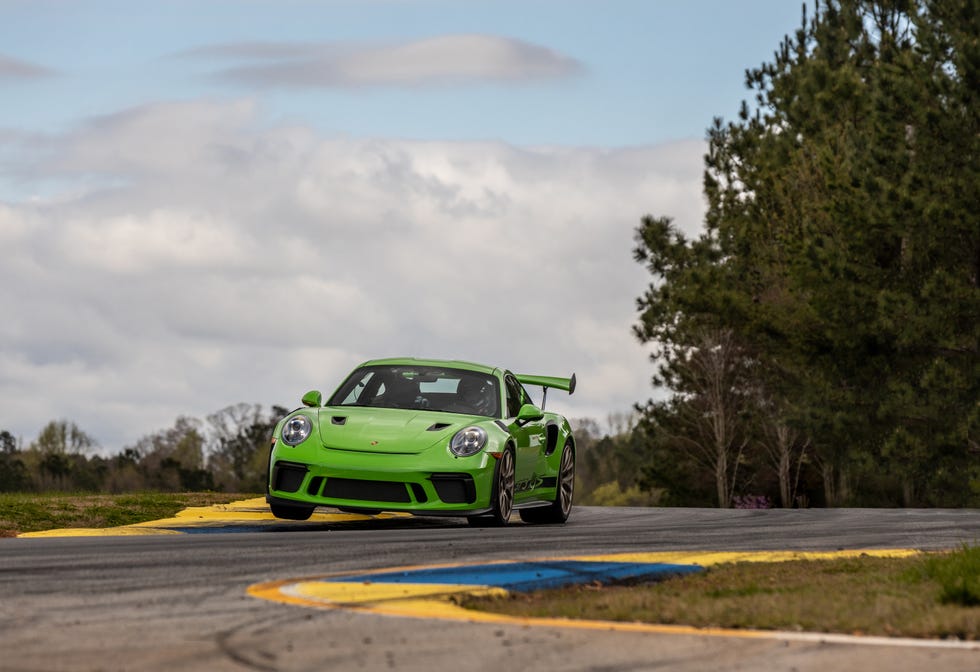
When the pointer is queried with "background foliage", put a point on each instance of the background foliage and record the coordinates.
(229, 451)
(824, 328)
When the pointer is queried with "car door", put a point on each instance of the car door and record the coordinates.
(529, 437)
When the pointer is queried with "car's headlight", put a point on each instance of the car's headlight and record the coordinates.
(469, 441)
(296, 430)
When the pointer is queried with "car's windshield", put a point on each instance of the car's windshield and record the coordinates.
(426, 388)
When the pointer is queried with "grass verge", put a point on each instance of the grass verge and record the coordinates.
(920, 596)
(32, 512)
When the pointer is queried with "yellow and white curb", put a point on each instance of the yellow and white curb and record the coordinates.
(440, 600)
(252, 514)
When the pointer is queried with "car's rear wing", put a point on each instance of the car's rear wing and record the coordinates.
(546, 382)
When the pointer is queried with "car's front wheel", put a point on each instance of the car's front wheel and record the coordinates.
(502, 497)
(291, 511)
(557, 512)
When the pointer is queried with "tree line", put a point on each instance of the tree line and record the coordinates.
(820, 338)
(227, 451)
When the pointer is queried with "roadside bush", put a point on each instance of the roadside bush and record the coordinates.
(959, 575)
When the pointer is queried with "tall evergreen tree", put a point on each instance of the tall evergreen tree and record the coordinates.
(842, 246)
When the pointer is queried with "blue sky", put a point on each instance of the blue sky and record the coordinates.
(208, 203)
(650, 71)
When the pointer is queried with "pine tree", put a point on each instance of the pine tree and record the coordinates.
(842, 247)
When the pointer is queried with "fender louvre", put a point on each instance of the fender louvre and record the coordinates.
(552, 439)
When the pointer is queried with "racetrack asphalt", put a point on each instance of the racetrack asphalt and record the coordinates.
(181, 601)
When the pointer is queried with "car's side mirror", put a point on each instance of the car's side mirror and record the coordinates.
(529, 413)
(313, 399)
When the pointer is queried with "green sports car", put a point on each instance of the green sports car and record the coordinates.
(429, 437)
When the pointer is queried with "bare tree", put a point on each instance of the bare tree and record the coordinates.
(712, 405)
(240, 436)
(785, 450)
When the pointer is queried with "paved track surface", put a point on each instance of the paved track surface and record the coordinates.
(180, 603)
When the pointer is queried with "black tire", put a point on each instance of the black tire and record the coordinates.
(502, 497)
(291, 511)
(557, 512)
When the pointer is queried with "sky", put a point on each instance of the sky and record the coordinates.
(210, 203)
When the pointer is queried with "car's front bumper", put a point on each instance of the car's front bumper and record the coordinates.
(382, 482)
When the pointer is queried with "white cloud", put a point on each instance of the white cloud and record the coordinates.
(435, 61)
(183, 141)
(12, 68)
(159, 240)
(214, 261)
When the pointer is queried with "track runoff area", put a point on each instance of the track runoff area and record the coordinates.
(433, 591)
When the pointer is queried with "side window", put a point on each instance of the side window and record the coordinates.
(515, 396)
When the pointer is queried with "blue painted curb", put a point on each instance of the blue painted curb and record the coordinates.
(527, 576)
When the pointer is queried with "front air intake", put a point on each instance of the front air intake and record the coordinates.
(288, 477)
(454, 488)
(366, 491)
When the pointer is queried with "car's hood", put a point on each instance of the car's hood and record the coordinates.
(388, 430)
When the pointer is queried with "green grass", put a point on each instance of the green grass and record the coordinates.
(959, 576)
(31, 512)
(920, 596)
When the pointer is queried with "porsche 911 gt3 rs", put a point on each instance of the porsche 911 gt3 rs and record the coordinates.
(430, 437)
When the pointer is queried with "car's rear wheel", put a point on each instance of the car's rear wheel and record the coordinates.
(291, 511)
(502, 497)
(557, 512)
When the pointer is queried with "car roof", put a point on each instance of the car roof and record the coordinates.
(444, 363)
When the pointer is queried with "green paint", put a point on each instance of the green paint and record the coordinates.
(382, 442)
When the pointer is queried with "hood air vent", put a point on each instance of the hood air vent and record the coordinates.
(435, 427)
